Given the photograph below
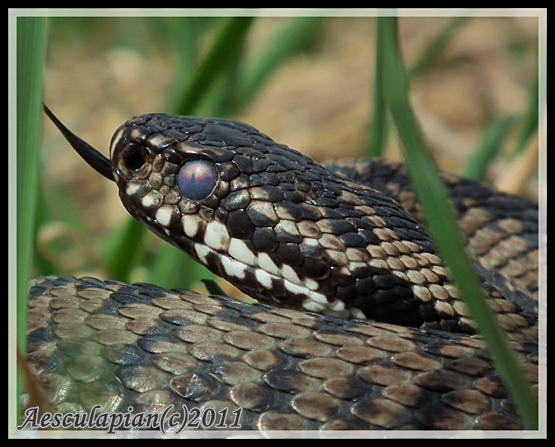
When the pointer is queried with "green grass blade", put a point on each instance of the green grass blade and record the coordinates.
(433, 50)
(225, 49)
(441, 222)
(488, 148)
(127, 250)
(43, 265)
(530, 122)
(292, 37)
(31, 50)
(213, 288)
(184, 33)
(173, 268)
(378, 128)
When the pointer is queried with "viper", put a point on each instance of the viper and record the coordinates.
(359, 325)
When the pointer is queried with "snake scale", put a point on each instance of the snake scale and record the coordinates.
(358, 326)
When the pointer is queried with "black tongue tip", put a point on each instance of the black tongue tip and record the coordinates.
(94, 159)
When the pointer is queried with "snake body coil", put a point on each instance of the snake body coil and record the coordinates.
(340, 241)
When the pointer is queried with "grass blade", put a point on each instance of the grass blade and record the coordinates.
(126, 251)
(488, 148)
(225, 49)
(378, 128)
(213, 288)
(184, 34)
(173, 268)
(31, 50)
(290, 39)
(441, 221)
(530, 123)
(433, 50)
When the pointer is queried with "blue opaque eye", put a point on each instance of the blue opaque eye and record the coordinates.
(197, 179)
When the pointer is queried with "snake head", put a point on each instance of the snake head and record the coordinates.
(231, 198)
(274, 223)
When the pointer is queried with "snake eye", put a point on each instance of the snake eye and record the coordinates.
(197, 179)
(133, 157)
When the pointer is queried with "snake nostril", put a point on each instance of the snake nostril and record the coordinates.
(133, 157)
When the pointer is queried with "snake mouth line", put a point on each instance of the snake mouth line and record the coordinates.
(94, 159)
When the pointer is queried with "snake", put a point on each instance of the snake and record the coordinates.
(357, 325)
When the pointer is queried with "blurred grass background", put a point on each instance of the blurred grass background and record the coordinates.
(306, 82)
